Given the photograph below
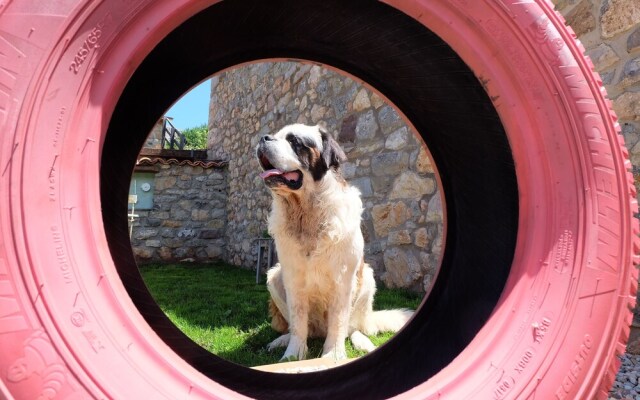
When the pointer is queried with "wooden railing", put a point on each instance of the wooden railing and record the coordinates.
(172, 138)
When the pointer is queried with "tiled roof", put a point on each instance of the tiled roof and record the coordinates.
(150, 161)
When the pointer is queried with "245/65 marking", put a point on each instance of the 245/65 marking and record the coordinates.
(90, 43)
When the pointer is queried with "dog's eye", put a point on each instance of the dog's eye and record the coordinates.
(292, 140)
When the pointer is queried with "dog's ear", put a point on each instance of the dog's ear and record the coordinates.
(332, 153)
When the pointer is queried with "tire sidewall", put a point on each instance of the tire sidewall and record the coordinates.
(564, 297)
(82, 326)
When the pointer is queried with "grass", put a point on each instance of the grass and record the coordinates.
(221, 308)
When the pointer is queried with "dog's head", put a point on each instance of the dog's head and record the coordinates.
(296, 153)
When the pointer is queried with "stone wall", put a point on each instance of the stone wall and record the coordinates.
(188, 219)
(402, 222)
(154, 139)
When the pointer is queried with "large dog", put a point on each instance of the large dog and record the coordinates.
(322, 287)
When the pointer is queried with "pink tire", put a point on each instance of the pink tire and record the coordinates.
(537, 280)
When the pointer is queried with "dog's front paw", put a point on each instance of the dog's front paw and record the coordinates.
(296, 350)
(282, 341)
(335, 354)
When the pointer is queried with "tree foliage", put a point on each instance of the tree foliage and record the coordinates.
(196, 137)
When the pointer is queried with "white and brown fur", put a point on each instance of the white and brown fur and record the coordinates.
(321, 287)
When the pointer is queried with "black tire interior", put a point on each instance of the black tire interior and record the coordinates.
(432, 86)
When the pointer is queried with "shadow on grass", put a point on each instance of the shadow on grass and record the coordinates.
(221, 308)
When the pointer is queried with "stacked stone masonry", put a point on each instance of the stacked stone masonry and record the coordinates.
(188, 219)
(402, 221)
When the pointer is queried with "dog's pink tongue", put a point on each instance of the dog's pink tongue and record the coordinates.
(270, 172)
(291, 176)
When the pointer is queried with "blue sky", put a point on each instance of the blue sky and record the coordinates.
(193, 108)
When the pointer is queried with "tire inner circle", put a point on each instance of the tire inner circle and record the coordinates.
(430, 84)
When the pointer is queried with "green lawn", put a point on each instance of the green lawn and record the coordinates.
(223, 309)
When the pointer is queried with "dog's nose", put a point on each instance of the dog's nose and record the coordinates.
(266, 138)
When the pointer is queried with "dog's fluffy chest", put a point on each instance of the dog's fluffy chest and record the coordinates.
(319, 236)
(316, 224)
(301, 229)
